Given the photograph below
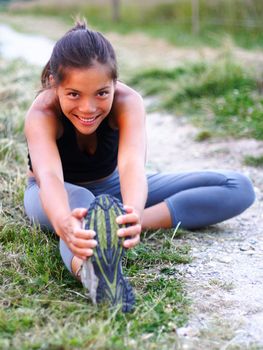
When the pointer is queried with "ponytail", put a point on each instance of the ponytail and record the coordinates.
(45, 76)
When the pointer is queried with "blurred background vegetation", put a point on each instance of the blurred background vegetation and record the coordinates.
(183, 22)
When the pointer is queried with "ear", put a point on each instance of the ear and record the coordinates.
(52, 81)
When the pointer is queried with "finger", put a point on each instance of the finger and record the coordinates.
(81, 251)
(85, 234)
(128, 209)
(127, 219)
(81, 257)
(84, 243)
(130, 243)
(130, 231)
(79, 213)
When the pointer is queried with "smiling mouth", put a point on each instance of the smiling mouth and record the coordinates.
(86, 120)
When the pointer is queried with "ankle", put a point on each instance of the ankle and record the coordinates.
(76, 265)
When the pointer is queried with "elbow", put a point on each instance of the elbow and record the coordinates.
(48, 176)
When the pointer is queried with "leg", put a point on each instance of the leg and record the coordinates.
(78, 197)
(196, 199)
(157, 216)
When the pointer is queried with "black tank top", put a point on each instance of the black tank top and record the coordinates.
(79, 166)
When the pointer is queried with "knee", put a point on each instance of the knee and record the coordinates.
(245, 190)
(66, 254)
(34, 210)
(79, 197)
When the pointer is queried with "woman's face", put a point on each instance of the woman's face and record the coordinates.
(86, 96)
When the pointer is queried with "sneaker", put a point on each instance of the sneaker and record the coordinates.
(102, 274)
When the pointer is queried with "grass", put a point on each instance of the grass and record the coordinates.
(254, 161)
(41, 305)
(223, 97)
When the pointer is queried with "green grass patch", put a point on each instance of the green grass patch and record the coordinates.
(223, 97)
(41, 305)
(203, 135)
(254, 161)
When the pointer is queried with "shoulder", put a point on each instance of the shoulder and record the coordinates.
(44, 113)
(125, 94)
(46, 103)
(127, 104)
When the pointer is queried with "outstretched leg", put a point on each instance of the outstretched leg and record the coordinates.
(79, 197)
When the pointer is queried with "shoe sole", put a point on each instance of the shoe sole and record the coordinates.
(108, 254)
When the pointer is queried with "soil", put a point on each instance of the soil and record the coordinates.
(225, 278)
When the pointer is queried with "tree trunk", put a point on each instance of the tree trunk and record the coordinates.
(116, 5)
(195, 17)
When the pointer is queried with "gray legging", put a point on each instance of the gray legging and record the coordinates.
(195, 199)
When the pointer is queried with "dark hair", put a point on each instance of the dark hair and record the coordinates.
(80, 47)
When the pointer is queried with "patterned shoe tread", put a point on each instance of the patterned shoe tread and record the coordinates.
(107, 256)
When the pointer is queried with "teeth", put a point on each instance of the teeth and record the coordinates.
(87, 120)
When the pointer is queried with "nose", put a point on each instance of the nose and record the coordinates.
(87, 106)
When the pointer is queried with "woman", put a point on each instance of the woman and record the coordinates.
(86, 136)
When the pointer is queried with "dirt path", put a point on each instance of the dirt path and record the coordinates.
(225, 278)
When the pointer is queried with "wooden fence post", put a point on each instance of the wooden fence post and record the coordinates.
(116, 4)
(195, 17)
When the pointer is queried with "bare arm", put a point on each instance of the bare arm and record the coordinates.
(131, 159)
(41, 130)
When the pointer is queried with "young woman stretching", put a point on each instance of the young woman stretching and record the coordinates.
(86, 136)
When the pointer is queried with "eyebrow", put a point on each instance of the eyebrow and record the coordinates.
(71, 89)
(103, 88)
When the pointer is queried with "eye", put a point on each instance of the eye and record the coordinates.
(103, 93)
(73, 94)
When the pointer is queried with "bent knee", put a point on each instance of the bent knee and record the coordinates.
(246, 194)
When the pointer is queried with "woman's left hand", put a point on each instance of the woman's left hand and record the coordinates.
(134, 229)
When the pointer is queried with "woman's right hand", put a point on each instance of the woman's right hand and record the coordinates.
(79, 241)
